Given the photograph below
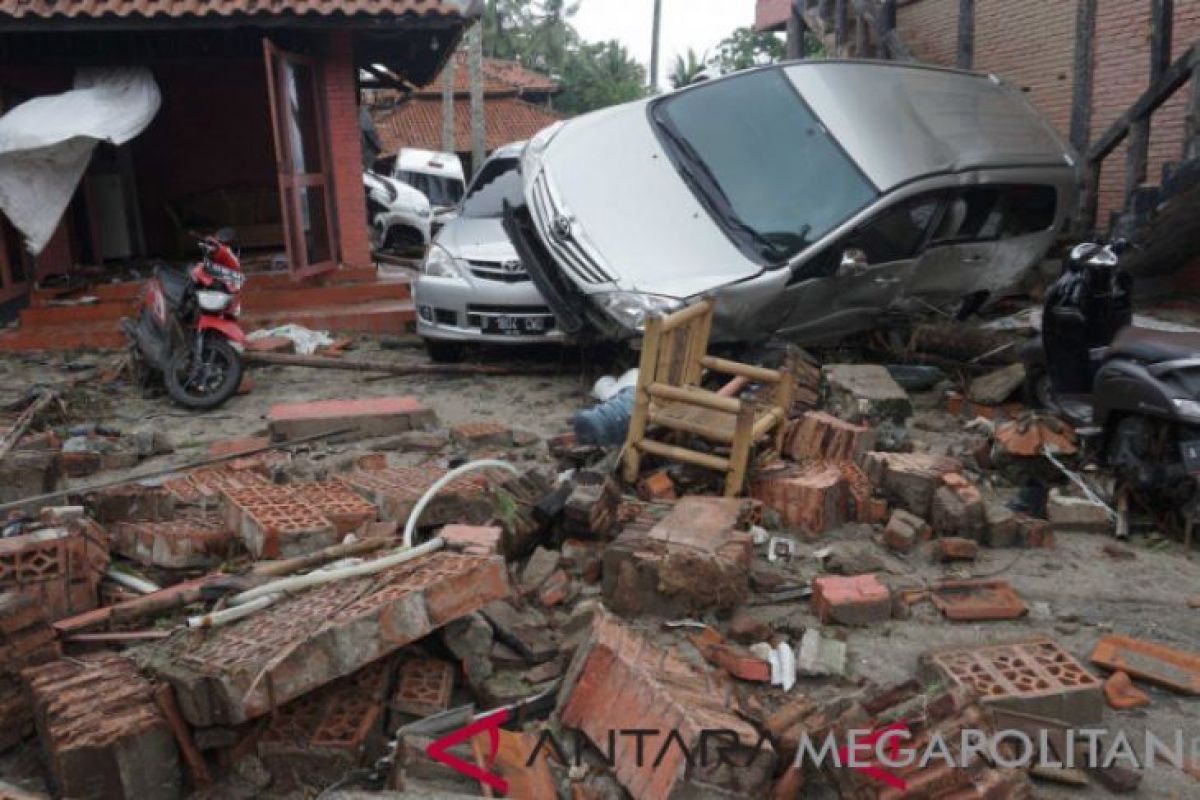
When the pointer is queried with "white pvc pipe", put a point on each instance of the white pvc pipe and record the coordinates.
(320, 577)
(411, 526)
(139, 585)
(227, 615)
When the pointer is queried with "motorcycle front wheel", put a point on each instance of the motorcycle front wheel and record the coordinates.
(208, 383)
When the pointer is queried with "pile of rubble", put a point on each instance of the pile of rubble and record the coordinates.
(472, 612)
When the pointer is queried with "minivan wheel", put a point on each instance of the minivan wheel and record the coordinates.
(443, 352)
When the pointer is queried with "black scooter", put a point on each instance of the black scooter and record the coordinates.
(1137, 389)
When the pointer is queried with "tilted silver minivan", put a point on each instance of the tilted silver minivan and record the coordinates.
(811, 199)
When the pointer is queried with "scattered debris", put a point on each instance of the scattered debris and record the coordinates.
(1159, 664)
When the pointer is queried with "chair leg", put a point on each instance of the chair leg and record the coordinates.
(739, 456)
(784, 393)
(637, 431)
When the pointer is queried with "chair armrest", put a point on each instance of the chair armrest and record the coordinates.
(727, 367)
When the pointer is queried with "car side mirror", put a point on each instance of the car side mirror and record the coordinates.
(854, 262)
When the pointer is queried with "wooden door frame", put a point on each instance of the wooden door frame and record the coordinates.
(289, 180)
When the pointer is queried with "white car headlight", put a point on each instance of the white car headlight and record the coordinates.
(1189, 409)
(631, 309)
(213, 301)
(440, 264)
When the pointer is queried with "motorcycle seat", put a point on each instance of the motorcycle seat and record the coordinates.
(174, 283)
(1153, 347)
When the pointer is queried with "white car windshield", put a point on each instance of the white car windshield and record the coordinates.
(498, 181)
(761, 162)
(440, 190)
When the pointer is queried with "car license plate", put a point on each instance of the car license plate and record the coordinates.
(514, 326)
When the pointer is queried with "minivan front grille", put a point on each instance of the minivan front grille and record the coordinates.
(566, 250)
(497, 271)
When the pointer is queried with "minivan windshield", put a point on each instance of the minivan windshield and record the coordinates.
(498, 181)
(440, 190)
(761, 162)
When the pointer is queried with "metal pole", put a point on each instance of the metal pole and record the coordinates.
(478, 120)
(655, 44)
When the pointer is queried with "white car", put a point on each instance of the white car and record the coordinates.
(399, 216)
(473, 287)
(439, 176)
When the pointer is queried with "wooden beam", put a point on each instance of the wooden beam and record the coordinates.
(1085, 55)
(966, 34)
(862, 35)
(796, 45)
(1162, 25)
(1176, 76)
(1137, 156)
(1191, 125)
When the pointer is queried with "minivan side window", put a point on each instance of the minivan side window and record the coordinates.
(895, 235)
(987, 213)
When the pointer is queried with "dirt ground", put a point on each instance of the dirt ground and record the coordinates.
(1075, 592)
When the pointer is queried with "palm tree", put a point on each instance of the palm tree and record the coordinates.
(687, 68)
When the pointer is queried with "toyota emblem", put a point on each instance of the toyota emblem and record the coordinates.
(512, 265)
(562, 228)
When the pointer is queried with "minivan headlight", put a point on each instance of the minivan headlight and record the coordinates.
(1187, 408)
(631, 309)
(440, 264)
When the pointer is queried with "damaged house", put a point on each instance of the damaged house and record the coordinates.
(174, 118)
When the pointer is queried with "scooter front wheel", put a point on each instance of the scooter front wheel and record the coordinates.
(207, 382)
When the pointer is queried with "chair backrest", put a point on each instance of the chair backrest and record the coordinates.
(673, 346)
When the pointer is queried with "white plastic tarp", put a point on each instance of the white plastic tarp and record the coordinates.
(46, 143)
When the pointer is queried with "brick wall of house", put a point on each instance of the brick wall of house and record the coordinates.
(345, 144)
(930, 28)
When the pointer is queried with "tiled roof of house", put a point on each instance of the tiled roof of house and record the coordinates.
(499, 77)
(772, 15)
(49, 9)
(418, 123)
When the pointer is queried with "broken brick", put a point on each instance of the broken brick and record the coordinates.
(1028, 435)
(657, 487)
(591, 509)
(977, 600)
(957, 508)
(1077, 514)
(364, 418)
(26, 640)
(101, 730)
(955, 548)
(812, 498)
(315, 739)
(475, 540)
(865, 391)
(236, 447)
(131, 503)
(1033, 676)
(276, 522)
(1000, 525)
(619, 680)
(818, 436)
(1155, 663)
(1122, 694)
(60, 567)
(242, 670)
(474, 435)
(395, 493)
(737, 662)
(338, 503)
(28, 473)
(194, 539)
(909, 478)
(424, 687)
(1034, 533)
(556, 589)
(857, 600)
(905, 531)
(696, 558)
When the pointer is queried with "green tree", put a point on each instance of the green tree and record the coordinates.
(687, 68)
(597, 75)
(746, 47)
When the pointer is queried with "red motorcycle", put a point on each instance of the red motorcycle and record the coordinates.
(187, 330)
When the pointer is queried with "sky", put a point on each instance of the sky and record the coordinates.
(699, 24)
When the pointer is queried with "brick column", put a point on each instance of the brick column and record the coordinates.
(345, 150)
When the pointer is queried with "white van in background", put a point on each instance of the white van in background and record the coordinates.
(439, 176)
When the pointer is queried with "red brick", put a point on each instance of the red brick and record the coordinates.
(657, 487)
(556, 590)
(482, 434)
(101, 730)
(424, 687)
(195, 539)
(818, 436)
(905, 531)
(477, 540)
(237, 447)
(909, 478)
(619, 680)
(276, 522)
(81, 464)
(1033, 676)
(245, 669)
(857, 600)
(977, 600)
(737, 662)
(395, 493)
(59, 568)
(1122, 695)
(316, 739)
(1034, 533)
(1156, 663)
(364, 418)
(338, 503)
(697, 558)
(955, 548)
(813, 498)
(131, 503)
(26, 640)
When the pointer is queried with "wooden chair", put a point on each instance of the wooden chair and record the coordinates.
(674, 358)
